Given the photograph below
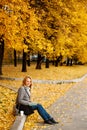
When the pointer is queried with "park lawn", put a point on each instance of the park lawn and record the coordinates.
(46, 94)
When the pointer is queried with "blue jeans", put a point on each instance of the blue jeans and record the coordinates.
(42, 112)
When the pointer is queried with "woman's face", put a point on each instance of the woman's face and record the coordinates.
(28, 82)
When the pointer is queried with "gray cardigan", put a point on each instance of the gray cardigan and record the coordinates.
(23, 96)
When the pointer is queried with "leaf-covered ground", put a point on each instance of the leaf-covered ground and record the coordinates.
(46, 94)
(57, 73)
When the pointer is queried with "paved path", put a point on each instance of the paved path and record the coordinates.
(71, 109)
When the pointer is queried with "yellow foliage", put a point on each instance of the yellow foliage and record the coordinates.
(56, 23)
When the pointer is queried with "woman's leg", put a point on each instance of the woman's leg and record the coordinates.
(43, 113)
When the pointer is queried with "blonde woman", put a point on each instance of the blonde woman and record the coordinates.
(23, 102)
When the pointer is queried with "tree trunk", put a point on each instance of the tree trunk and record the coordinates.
(47, 63)
(39, 61)
(1, 53)
(57, 61)
(28, 62)
(28, 59)
(53, 62)
(67, 61)
(70, 62)
(15, 58)
(24, 69)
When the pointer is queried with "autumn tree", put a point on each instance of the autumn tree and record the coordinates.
(1, 53)
(50, 27)
(16, 22)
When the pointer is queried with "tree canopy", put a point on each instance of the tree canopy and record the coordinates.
(51, 27)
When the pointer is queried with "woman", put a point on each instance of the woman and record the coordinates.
(24, 103)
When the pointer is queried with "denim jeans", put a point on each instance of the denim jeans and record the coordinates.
(42, 112)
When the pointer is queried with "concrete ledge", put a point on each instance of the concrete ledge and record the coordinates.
(19, 122)
(48, 81)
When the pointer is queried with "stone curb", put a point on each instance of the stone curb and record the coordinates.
(41, 81)
(48, 81)
(19, 123)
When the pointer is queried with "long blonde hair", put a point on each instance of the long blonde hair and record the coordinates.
(24, 80)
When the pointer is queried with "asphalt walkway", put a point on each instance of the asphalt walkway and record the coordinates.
(71, 109)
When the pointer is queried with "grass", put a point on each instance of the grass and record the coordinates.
(46, 94)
